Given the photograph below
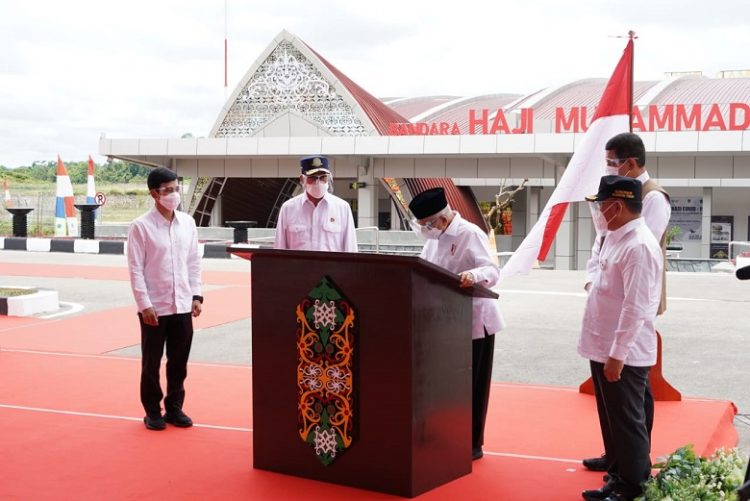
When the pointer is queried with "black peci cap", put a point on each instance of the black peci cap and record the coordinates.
(428, 203)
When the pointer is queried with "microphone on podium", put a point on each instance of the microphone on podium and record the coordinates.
(743, 273)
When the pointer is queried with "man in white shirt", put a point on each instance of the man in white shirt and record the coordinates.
(316, 220)
(461, 247)
(619, 338)
(165, 276)
(626, 156)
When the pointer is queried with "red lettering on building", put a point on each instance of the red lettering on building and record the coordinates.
(563, 124)
(526, 122)
(663, 121)
(734, 124)
(669, 117)
(637, 120)
(500, 124)
(473, 121)
(714, 119)
(685, 121)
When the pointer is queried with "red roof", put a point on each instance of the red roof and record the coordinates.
(379, 114)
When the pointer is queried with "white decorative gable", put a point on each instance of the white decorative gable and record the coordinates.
(288, 81)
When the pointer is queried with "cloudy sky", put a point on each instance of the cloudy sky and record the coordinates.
(73, 70)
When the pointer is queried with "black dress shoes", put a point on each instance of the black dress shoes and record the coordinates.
(596, 464)
(476, 453)
(154, 422)
(178, 418)
(598, 494)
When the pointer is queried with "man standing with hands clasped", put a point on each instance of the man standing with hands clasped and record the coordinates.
(618, 335)
(461, 247)
(165, 276)
(317, 219)
(626, 156)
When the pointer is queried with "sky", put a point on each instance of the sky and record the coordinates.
(72, 71)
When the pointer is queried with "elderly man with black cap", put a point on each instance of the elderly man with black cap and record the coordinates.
(618, 335)
(461, 247)
(316, 220)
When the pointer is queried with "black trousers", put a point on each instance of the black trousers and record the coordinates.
(482, 351)
(623, 419)
(176, 332)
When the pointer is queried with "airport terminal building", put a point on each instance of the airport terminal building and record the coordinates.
(292, 103)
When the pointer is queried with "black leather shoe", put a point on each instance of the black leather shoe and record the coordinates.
(476, 453)
(615, 496)
(178, 418)
(596, 464)
(154, 422)
(598, 494)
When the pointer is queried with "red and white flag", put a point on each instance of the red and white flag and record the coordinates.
(585, 169)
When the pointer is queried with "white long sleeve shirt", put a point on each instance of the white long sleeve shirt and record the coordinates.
(328, 226)
(621, 307)
(463, 247)
(163, 261)
(656, 212)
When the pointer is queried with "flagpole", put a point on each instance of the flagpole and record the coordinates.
(631, 35)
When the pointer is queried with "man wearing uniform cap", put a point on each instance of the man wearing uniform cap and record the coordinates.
(317, 219)
(461, 247)
(626, 156)
(618, 335)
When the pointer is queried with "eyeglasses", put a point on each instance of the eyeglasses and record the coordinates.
(316, 179)
(616, 162)
(427, 224)
(166, 190)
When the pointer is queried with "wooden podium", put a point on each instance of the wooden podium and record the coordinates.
(411, 412)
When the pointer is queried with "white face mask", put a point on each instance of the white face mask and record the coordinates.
(429, 233)
(600, 222)
(613, 171)
(317, 190)
(171, 201)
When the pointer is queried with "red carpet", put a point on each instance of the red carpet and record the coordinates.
(113, 329)
(71, 421)
(110, 273)
(71, 429)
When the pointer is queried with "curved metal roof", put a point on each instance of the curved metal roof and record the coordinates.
(587, 92)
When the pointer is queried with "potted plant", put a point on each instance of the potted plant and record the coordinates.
(684, 475)
(673, 232)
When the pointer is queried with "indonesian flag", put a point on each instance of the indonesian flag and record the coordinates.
(585, 169)
(90, 187)
(8, 200)
(65, 214)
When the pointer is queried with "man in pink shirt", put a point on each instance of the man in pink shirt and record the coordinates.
(165, 276)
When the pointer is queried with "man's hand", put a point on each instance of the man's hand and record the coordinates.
(466, 278)
(197, 307)
(149, 317)
(587, 287)
(613, 369)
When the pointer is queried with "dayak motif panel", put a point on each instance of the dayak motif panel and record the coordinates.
(287, 80)
(325, 371)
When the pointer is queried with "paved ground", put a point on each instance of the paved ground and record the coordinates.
(705, 329)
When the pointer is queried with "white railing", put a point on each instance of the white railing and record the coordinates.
(377, 236)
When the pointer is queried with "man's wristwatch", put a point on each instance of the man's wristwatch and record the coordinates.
(198, 298)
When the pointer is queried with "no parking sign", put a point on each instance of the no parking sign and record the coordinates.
(100, 198)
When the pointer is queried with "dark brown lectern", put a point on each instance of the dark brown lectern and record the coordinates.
(411, 377)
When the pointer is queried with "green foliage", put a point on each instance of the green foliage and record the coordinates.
(672, 233)
(112, 172)
(686, 476)
(12, 292)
